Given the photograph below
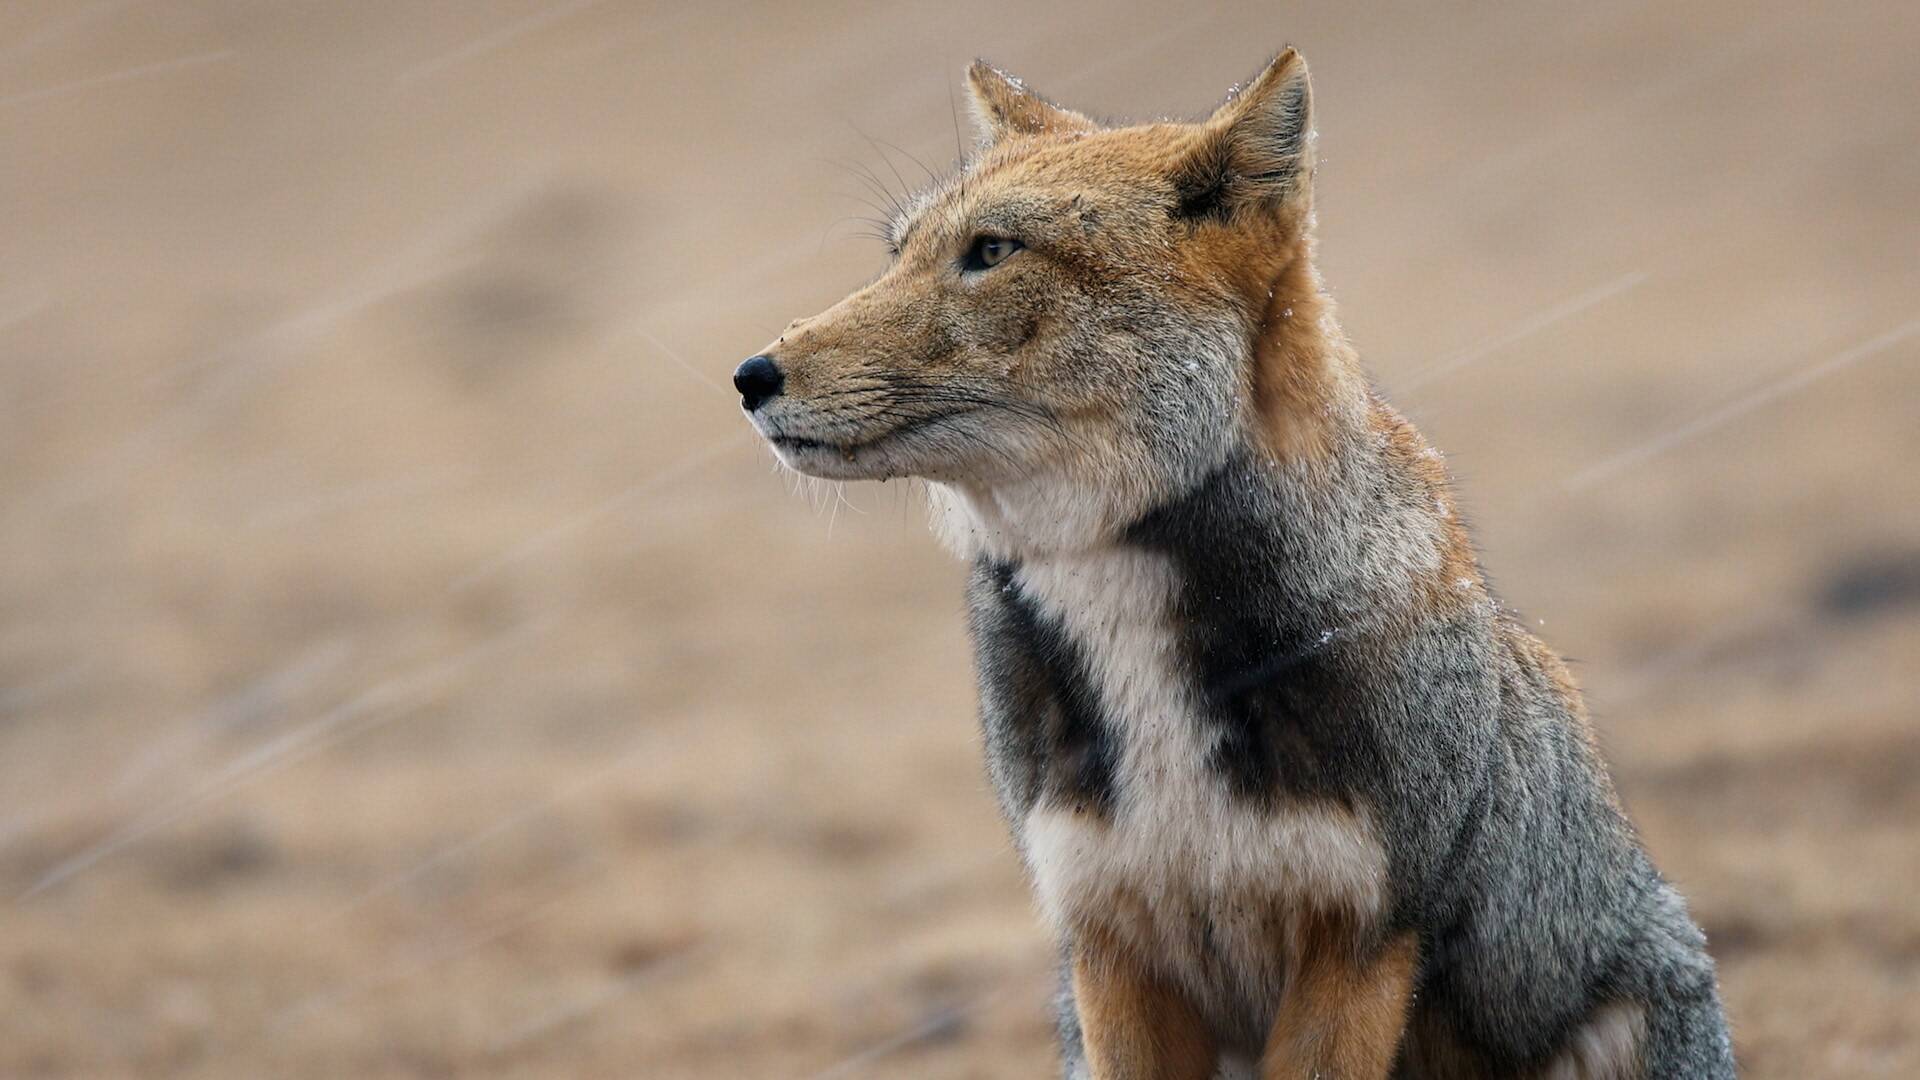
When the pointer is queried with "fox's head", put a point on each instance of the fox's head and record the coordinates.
(1081, 322)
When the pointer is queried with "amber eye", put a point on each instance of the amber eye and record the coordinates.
(989, 251)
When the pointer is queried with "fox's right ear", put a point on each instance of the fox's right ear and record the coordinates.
(1255, 151)
(1002, 106)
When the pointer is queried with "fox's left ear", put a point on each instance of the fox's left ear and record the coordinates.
(1255, 151)
(1003, 106)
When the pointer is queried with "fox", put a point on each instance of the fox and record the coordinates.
(1296, 796)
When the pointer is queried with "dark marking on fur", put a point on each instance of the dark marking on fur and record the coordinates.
(1261, 158)
(1056, 738)
(1265, 659)
(1507, 856)
(1086, 214)
(1202, 185)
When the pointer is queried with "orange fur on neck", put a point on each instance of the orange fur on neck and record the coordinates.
(1301, 365)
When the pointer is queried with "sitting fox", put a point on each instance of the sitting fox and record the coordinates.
(1294, 793)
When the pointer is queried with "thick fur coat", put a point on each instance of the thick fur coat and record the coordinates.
(1296, 795)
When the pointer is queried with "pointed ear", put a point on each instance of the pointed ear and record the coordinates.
(1255, 151)
(1003, 107)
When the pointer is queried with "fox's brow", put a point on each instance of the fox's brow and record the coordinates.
(901, 230)
(912, 210)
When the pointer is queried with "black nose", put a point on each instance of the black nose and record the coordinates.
(758, 379)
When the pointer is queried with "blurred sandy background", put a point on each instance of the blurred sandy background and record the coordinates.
(410, 667)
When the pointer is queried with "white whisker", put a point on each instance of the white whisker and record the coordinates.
(840, 490)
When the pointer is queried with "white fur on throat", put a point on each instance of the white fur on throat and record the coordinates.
(1040, 514)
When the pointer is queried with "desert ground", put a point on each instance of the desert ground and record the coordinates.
(410, 666)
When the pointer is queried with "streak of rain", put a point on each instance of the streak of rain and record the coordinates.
(143, 71)
(938, 1022)
(491, 42)
(424, 957)
(1525, 329)
(23, 311)
(377, 705)
(1644, 452)
(547, 538)
(621, 761)
(680, 361)
(580, 1006)
(303, 509)
(1702, 71)
(75, 22)
(245, 363)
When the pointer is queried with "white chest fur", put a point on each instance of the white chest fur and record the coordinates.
(1199, 879)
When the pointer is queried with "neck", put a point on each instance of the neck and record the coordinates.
(1306, 394)
(1308, 432)
(1364, 530)
(1037, 516)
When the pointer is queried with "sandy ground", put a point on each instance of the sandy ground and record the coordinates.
(409, 666)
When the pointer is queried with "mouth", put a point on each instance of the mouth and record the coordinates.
(846, 459)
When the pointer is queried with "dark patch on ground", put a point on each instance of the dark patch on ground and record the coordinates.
(1741, 935)
(1870, 585)
(227, 852)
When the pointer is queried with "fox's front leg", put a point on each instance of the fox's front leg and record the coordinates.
(1345, 1011)
(1133, 1024)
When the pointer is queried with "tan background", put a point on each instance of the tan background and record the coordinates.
(409, 667)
